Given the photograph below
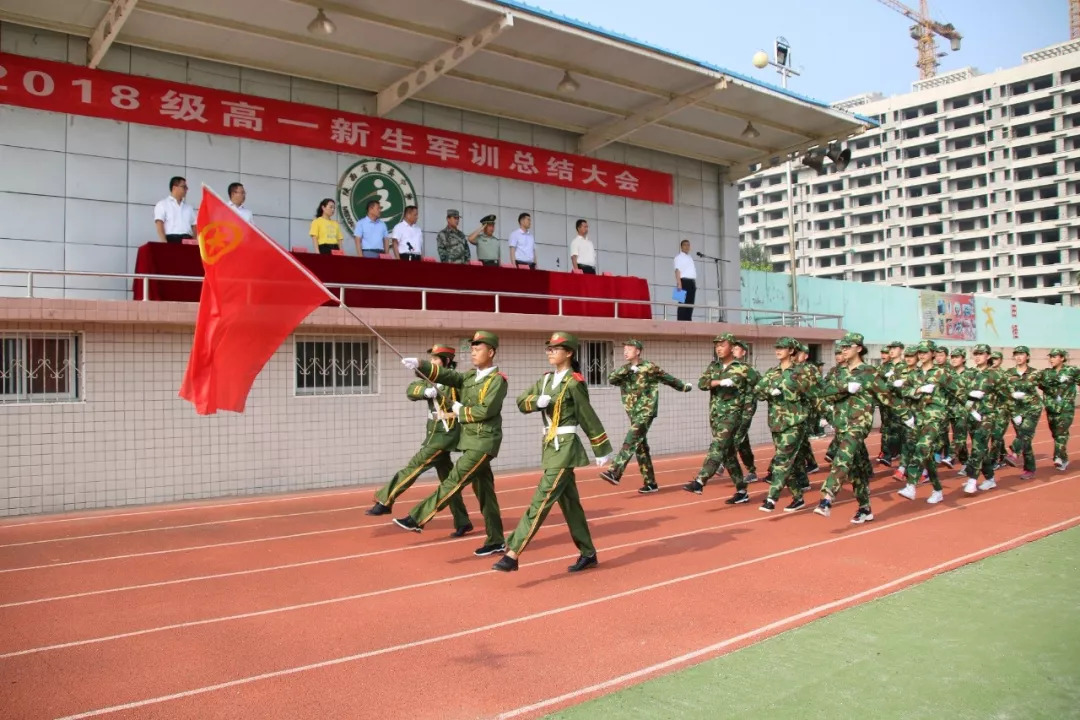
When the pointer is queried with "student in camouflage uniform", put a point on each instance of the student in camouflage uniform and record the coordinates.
(806, 452)
(452, 243)
(786, 388)
(958, 413)
(562, 399)
(726, 380)
(1001, 420)
(825, 409)
(944, 451)
(927, 389)
(1058, 384)
(1025, 409)
(442, 437)
(987, 396)
(852, 391)
(892, 428)
(903, 409)
(749, 408)
(639, 384)
(479, 411)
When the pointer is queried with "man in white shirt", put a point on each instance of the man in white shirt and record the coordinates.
(685, 277)
(174, 218)
(237, 196)
(582, 252)
(408, 237)
(522, 244)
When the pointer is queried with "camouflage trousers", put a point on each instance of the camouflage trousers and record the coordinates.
(789, 466)
(1059, 423)
(851, 463)
(635, 444)
(943, 434)
(925, 440)
(806, 451)
(981, 460)
(892, 433)
(403, 479)
(722, 450)
(1025, 433)
(960, 421)
(742, 442)
(997, 438)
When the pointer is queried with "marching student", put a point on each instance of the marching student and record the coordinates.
(749, 408)
(958, 414)
(562, 399)
(1058, 384)
(1025, 409)
(927, 388)
(987, 397)
(786, 387)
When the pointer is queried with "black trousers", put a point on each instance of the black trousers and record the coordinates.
(411, 257)
(530, 265)
(687, 313)
(490, 263)
(177, 239)
(586, 269)
(327, 248)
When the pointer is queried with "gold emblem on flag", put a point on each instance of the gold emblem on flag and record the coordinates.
(218, 239)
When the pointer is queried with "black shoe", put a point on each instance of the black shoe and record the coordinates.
(768, 505)
(489, 549)
(695, 487)
(811, 469)
(650, 488)
(795, 505)
(806, 487)
(408, 523)
(378, 509)
(740, 497)
(862, 515)
(506, 564)
(751, 477)
(610, 477)
(582, 563)
(884, 461)
(462, 531)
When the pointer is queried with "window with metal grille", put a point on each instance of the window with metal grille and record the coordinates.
(40, 367)
(327, 366)
(597, 361)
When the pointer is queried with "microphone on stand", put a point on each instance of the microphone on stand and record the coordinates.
(699, 255)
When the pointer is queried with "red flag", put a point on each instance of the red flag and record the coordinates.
(254, 294)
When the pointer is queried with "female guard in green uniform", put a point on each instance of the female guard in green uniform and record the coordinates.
(442, 437)
(562, 399)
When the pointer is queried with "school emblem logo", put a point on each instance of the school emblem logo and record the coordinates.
(218, 239)
(373, 179)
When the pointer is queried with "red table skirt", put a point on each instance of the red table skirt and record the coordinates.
(169, 259)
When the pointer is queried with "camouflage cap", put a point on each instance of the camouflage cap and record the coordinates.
(820, 363)
(442, 349)
(1059, 352)
(909, 351)
(725, 337)
(925, 346)
(895, 344)
(486, 337)
(941, 349)
(787, 343)
(1021, 349)
(803, 348)
(884, 349)
(958, 352)
(743, 344)
(452, 213)
(563, 339)
(631, 342)
(852, 338)
(981, 349)
(996, 355)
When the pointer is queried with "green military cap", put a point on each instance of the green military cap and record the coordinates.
(909, 351)
(981, 349)
(1059, 352)
(725, 337)
(788, 343)
(958, 352)
(803, 348)
(925, 346)
(563, 339)
(1021, 349)
(442, 349)
(452, 213)
(743, 344)
(487, 220)
(486, 337)
(820, 363)
(941, 349)
(895, 344)
(996, 355)
(851, 338)
(634, 343)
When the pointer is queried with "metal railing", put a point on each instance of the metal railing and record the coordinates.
(660, 310)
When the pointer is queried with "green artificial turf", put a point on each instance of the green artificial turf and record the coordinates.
(998, 639)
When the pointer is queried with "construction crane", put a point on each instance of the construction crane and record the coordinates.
(1074, 19)
(923, 32)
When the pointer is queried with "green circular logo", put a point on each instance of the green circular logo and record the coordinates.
(373, 179)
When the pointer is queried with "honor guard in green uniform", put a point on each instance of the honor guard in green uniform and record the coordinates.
(1058, 384)
(488, 247)
(479, 411)
(749, 408)
(562, 399)
(786, 388)
(440, 438)
(639, 384)
(1025, 409)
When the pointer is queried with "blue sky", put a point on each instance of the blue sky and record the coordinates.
(842, 47)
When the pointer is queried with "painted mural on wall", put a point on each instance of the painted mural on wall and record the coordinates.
(947, 316)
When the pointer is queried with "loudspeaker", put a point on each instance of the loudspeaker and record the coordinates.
(840, 158)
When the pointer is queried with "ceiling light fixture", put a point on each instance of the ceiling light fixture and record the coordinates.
(750, 131)
(321, 25)
(568, 84)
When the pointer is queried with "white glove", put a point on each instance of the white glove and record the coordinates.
(975, 414)
(853, 387)
(1019, 395)
(1017, 420)
(411, 363)
(633, 368)
(687, 387)
(977, 394)
(431, 393)
(1064, 380)
(543, 401)
(603, 460)
(889, 374)
(927, 389)
(727, 382)
(910, 422)
(456, 407)
(898, 383)
(824, 423)
(774, 392)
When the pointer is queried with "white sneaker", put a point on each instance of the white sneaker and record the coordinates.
(988, 484)
(935, 497)
(970, 487)
(908, 492)
(1060, 464)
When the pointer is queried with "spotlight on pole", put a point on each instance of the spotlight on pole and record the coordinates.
(815, 158)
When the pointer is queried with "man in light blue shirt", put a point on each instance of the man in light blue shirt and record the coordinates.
(371, 233)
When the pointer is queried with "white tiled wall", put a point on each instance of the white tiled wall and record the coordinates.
(77, 192)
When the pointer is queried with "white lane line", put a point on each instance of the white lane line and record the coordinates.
(539, 615)
(872, 593)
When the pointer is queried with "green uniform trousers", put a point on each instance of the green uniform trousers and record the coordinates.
(722, 451)
(1025, 433)
(474, 466)
(925, 440)
(635, 444)
(420, 463)
(742, 444)
(789, 466)
(961, 432)
(851, 463)
(981, 460)
(1060, 422)
(997, 439)
(557, 485)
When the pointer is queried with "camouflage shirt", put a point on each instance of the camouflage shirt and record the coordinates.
(640, 390)
(1059, 388)
(991, 383)
(453, 246)
(790, 406)
(725, 403)
(853, 413)
(1028, 383)
(749, 399)
(932, 407)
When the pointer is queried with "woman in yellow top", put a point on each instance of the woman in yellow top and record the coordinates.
(325, 231)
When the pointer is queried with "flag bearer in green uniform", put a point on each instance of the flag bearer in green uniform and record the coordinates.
(639, 384)
(443, 430)
(1058, 384)
(479, 410)
(562, 399)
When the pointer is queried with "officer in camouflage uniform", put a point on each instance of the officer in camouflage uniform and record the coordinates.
(639, 384)
(987, 397)
(1058, 384)
(852, 391)
(749, 407)
(927, 388)
(452, 243)
(1026, 408)
(726, 380)
(479, 411)
(786, 388)
(562, 399)
(442, 437)
(959, 416)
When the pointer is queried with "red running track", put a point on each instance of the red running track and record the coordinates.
(300, 606)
